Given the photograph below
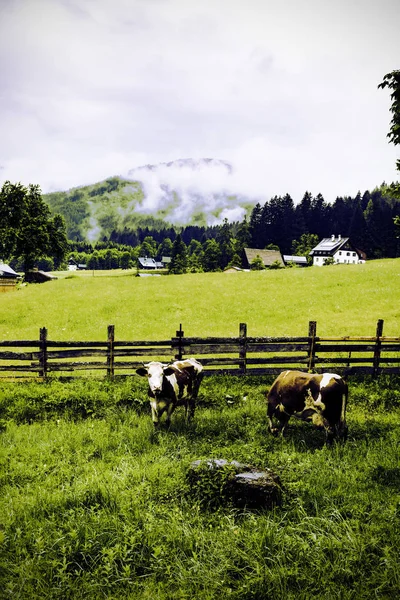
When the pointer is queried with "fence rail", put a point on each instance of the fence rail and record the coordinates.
(240, 355)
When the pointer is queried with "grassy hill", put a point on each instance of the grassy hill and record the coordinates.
(183, 192)
(343, 299)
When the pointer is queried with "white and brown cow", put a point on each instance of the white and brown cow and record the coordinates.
(172, 385)
(320, 399)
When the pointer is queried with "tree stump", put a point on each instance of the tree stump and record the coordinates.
(215, 482)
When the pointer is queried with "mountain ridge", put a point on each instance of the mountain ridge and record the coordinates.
(176, 193)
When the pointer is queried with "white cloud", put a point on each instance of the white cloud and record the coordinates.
(286, 92)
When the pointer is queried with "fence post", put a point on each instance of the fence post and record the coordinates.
(312, 333)
(243, 347)
(179, 335)
(377, 349)
(110, 351)
(43, 352)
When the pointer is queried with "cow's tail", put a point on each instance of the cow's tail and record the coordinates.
(342, 424)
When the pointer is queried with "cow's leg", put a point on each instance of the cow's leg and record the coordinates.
(280, 416)
(170, 409)
(154, 414)
(190, 408)
(330, 435)
(191, 403)
(196, 384)
(283, 420)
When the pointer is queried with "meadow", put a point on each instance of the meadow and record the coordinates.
(95, 505)
(343, 299)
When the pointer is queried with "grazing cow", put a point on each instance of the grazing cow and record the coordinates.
(320, 399)
(172, 385)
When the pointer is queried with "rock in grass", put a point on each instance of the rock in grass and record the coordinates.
(215, 482)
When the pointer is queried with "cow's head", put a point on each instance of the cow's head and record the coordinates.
(155, 372)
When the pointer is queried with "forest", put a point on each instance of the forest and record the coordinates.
(368, 219)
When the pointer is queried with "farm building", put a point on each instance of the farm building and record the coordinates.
(299, 261)
(150, 263)
(339, 249)
(236, 270)
(36, 276)
(8, 277)
(147, 263)
(74, 266)
(268, 257)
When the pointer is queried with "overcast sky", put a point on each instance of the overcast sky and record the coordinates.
(284, 90)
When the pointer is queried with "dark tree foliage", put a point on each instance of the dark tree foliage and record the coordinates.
(392, 81)
(179, 258)
(226, 245)
(257, 227)
(28, 231)
(367, 219)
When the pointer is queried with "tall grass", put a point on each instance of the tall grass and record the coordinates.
(343, 299)
(98, 506)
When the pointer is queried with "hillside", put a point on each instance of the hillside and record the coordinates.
(182, 192)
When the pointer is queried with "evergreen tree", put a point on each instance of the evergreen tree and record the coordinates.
(303, 214)
(211, 256)
(165, 248)
(179, 258)
(257, 264)
(225, 241)
(320, 217)
(243, 237)
(256, 227)
(304, 245)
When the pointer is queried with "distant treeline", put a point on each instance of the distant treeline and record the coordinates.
(367, 219)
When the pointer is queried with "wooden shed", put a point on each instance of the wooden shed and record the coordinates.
(8, 278)
(268, 257)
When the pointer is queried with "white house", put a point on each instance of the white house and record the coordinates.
(339, 249)
(74, 266)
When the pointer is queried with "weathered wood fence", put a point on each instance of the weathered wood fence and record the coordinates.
(240, 355)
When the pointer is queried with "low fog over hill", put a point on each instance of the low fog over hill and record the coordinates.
(191, 191)
(181, 192)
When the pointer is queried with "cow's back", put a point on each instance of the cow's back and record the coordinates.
(320, 398)
(290, 389)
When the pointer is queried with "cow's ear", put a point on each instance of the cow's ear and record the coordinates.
(142, 371)
(168, 371)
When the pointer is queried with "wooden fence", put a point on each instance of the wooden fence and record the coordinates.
(240, 355)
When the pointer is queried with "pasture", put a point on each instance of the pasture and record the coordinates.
(343, 299)
(95, 505)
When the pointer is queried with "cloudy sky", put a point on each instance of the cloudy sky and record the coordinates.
(286, 91)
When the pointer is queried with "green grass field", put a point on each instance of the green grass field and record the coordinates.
(343, 299)
(94, 504)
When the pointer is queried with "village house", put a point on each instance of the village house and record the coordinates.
(74, 266)
(150, 263)
(338, 249)
(146, 263)
(270, 258)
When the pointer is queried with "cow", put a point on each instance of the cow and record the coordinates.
(320, 399)
(172, 385)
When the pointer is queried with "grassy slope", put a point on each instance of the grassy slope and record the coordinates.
(346, 300)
